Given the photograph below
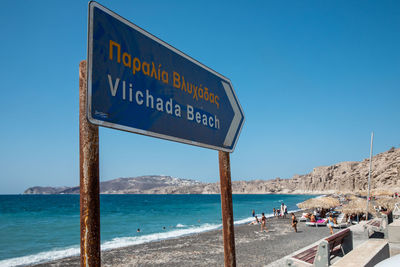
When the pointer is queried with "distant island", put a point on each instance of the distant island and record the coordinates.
(342, 177)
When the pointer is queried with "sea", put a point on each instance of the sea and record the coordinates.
(40, 228)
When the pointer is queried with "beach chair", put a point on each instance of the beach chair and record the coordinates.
(396, 210)
(303, 218)
(320, 222)
(340, 224)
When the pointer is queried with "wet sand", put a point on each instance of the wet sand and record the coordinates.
(253, 248)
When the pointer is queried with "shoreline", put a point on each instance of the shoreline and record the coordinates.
(253, 248)
(176, 232)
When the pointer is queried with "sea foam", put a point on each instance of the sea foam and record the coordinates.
(107, 245)
(136, 240)
(42, 257)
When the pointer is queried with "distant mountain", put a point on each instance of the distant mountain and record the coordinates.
(45, 190)
(340, 177)
(152, 184)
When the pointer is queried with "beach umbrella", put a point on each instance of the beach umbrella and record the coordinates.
(378, 192)
(308, 204)
(382, 192)
(322, 202)
(352, 196)
(387, 203)
(356, 205)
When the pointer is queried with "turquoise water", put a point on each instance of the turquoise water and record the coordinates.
(38, 228)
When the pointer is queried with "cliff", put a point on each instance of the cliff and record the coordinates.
(341, 177)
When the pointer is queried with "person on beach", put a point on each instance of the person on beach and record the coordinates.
(294, 222)
(254, 213)
(283, 210)
(313, 219)
(263, 223)
(256, 221)
(322, 213)
(274, 211)
(330, 223)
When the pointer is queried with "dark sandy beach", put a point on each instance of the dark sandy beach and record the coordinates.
(253, 248)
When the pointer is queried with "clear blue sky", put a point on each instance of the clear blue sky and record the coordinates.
(314, 79)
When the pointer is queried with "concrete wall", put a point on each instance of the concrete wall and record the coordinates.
(368, 254)
(394, 231)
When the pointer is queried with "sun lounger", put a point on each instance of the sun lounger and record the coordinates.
(340, 224)
(396, 210)
(321, 222)
(303, 218)
(340, 218)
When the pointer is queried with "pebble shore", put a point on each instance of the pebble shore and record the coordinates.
(253, 247)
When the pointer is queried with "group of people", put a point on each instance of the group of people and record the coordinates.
(311, 217)
(277, 212)
(262, 221)
(322, 213)
(280, 212)
(331, 222)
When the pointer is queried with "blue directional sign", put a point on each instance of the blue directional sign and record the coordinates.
(140, 84)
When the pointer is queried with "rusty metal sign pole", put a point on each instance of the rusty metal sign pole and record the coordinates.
(89, 179)
(227, 209)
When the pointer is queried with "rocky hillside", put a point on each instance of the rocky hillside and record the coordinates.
(342, 177)
(139, 185)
